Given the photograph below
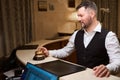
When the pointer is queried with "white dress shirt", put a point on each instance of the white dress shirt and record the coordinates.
(111, 44)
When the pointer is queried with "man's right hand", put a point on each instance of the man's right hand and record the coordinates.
(44, 50)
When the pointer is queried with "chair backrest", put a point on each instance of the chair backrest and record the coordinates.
(33, 72)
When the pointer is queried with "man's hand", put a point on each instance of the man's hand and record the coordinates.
(101, 71)
(44, 50)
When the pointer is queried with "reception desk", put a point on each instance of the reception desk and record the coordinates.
(27, 55)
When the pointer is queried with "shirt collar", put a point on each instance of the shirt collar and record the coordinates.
(98, 28)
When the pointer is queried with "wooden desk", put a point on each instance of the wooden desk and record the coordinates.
(56, 44)
(27, 56)
(88, 74)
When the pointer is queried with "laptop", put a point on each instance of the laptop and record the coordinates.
(33, 72)
(50, 70)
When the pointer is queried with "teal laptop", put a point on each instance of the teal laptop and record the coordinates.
(50, 70)
(33, 72)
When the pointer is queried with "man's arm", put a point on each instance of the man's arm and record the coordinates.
(65, 51)
(113, 49)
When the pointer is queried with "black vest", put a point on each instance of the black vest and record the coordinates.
(95, 53)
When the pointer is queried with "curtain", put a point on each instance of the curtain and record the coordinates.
(15, 25)
(109, 19)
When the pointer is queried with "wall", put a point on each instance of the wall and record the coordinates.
(46, 24)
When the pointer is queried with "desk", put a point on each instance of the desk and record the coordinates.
(26, 56)
(88, 74)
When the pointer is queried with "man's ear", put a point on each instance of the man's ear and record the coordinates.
(92, 13)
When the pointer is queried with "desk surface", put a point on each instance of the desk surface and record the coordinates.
(27, 56)
(88, 74)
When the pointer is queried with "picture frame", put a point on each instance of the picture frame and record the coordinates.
(51, 7)
(71, 3)
(42, 5)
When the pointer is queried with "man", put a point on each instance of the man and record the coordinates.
(96, 47)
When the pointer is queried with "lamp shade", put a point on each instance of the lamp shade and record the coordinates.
(73, 17)
(68, 27)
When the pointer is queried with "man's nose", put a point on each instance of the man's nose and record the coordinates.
(79, 19)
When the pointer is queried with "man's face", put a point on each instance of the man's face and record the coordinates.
(84, 17)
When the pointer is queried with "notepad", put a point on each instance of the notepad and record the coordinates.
(60, 68)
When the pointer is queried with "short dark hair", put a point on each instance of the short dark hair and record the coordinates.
(87, 4)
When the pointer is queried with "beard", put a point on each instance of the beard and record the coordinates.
(83, 25)
(87, 24)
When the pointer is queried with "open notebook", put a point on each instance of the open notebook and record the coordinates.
(50, 70)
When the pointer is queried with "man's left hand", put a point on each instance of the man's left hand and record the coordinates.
(101, 71)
